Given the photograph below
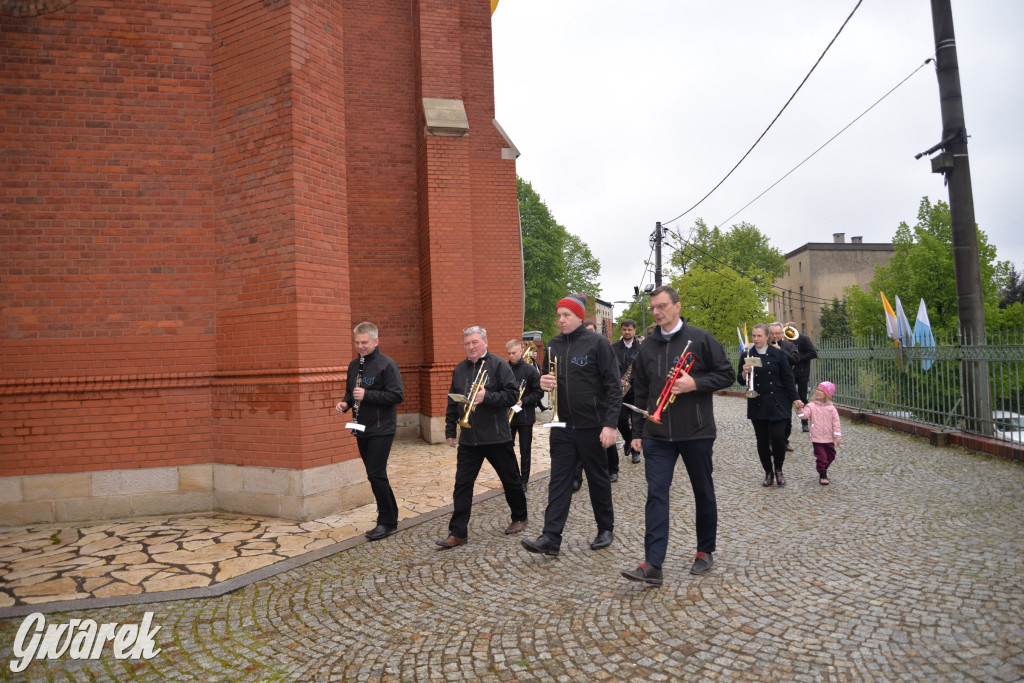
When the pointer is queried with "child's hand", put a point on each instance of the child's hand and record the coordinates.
(800, 415)
(838, 441)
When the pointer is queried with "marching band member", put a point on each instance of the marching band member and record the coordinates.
(373, 389)
(687, 430)
(769, 411)
(589, 396)
(522, 421)
(626, 350)
(488, 436)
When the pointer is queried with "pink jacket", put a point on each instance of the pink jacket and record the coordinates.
(824, 421)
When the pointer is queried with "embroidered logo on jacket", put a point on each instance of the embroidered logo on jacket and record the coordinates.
(580, 360)
(368, 381)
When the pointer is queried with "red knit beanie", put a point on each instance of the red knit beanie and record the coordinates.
(577, 303)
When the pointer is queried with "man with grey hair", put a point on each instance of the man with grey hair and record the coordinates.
(777, 338)
(488, 436)
(373, 389)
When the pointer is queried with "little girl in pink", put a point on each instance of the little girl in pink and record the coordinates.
(824, 427)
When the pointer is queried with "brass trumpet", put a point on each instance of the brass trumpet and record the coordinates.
(530, 354)
(522, 390)
(478, 384)
(553, 363)
(790, 333)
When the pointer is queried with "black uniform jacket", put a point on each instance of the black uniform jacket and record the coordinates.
(524, 372)
(625, 357)
(774, 383)
(589, 392)
(808, 352)
(489, 420)
(383, 385)
(691, 415)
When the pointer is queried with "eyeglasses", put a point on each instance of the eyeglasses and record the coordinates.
(661, 307)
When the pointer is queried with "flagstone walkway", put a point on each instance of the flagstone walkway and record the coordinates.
(56, 563)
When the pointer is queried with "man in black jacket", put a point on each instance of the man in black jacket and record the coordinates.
(626, 349)
(488, 436)
(687, 430)
(777, 338)
(523, 419)
(373, 389)
(802, 370)
(589, 398)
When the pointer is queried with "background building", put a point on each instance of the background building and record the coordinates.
(201, 199)
(819, 271)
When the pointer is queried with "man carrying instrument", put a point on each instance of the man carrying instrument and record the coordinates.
(626, 349)
(487, 383)
(522, 421)
(589, 397)
(777, 338)
(611, 451)
(373, 389)
(687, 429)
(802, 370)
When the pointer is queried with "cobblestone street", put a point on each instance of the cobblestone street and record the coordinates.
(907, 567)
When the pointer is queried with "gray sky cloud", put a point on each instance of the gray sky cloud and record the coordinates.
(628, 114)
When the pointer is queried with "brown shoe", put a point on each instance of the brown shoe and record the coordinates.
(789, 449)
(451, 542)
(516, 527)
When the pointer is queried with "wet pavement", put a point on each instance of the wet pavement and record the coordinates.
(907, 567)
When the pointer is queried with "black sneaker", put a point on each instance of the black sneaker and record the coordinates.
(804, 426)
(613, 477)
(702, 563)
(577, 484)
(645, 573)
(636, 457)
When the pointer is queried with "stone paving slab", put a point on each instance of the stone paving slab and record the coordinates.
(908, 567)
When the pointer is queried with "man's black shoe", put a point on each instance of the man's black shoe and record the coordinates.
(603, 540)
(380, 531)
(804, 427)
(613, 477)
(646, 573)
(543, 545)
(636, 457)
(576, 484)
(702, 563)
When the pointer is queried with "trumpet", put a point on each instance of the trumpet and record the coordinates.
(478, 383)
(751, 363)
(684, 364)
(522, 390)
(790, 333)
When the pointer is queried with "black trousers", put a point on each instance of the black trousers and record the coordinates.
(625, 426)
(801, 383)
(771, 442)
(374, 451)
(570, 447)
(467, 466)
(525, 433)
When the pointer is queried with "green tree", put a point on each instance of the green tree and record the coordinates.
(834, 321)
(718, 302)
(921, 267)
(741, 249)
(555, 262)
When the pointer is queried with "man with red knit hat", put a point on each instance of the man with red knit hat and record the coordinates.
(589, 399)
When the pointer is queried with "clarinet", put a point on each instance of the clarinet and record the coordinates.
(359, 383)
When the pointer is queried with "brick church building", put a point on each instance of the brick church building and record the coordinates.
(201, 198)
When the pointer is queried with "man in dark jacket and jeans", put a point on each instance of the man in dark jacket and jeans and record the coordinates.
(487, 438)
(589, 397)
(521, 424)
(373, 402)
(687, 430)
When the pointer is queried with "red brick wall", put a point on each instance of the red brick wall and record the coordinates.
(203, 196)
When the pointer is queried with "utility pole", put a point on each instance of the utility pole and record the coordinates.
(657, 254)
(954, 163)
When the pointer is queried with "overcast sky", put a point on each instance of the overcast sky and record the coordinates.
(628, 113)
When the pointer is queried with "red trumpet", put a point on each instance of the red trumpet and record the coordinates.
(682, 365)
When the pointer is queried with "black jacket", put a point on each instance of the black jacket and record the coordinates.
(489, 421)
(791, 351)
(523, 371)
(808, 352)
(625, 356)
(774, 383)
(383, 385)
(589, 392)
(691, 415)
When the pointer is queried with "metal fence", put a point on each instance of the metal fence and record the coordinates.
(926, 383)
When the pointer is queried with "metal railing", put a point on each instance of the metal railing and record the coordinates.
(926, 383)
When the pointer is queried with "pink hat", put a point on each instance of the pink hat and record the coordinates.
(828, 388)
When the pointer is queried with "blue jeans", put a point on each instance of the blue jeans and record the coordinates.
(659, 466)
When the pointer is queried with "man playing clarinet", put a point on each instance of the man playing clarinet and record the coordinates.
(373, 389)
(687, 428)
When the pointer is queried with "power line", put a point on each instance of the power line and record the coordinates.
(756, 142)
(827, 142)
